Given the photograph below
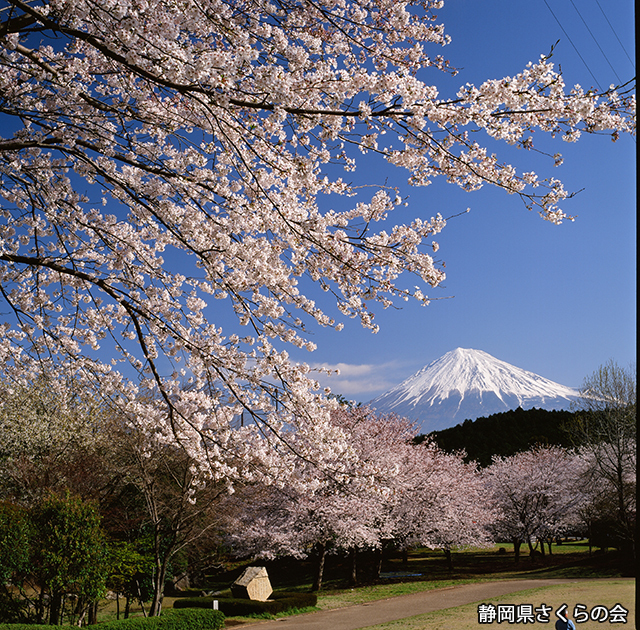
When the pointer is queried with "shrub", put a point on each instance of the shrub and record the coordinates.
(234, 607)
(192, 620)
(15, 542)
(189, 619)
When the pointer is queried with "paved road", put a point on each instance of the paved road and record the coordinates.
(381, 611)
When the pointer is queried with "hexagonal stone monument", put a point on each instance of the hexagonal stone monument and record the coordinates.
(253, 584)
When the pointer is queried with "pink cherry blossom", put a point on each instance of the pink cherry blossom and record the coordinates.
(385, 489)
(163, 163)
(539, 493)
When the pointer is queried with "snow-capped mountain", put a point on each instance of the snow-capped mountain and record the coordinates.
(468, 384)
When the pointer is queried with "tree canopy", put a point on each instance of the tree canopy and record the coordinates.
(167, 165)
(505, 433)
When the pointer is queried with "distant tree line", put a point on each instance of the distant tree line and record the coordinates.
(505, 434)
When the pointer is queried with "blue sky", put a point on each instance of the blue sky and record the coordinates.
(556, 300)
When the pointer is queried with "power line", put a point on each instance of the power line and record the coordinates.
(596, 41)
(616, 34)
(574, 46)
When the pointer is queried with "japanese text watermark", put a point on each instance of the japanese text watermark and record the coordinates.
(528, 613)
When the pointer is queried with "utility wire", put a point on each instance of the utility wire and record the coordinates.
(596, 41)
(616, 34)
(574, 46)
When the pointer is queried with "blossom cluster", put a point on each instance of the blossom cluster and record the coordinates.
(165, 162)
(383, 489)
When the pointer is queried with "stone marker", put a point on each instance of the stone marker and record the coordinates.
(253, 584)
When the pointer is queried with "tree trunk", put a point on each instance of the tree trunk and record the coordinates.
(447, 553)
(160, 575)
(93, 613)
(628, 535)
(322, 553)
(378, 565)
(353, 580)
(55, 608)
(516, 550)
(155, 607)
(405, 557)
(40, 607)
(144, 613)
(81, 611)
(156, 602)
(531, 548)
(621, 506)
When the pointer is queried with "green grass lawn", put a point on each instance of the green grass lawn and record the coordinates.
(423, 570)
(570, 559)
(606, 593)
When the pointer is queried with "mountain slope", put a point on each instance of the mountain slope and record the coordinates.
(467, 384)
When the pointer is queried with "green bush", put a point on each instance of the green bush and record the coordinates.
(189, 619)
(234, 607)
(192, 619)
(16, 535)
(59, 545)
(69, 552)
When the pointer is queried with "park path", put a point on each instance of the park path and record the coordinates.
(394, 608)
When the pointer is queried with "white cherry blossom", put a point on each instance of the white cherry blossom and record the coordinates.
(167, 165)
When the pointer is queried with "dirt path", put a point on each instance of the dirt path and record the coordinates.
(381, 611)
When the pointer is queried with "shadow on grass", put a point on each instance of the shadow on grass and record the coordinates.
(421, 570)
(568, 560)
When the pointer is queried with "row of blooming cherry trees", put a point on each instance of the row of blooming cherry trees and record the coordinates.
(396, 492)
(386, 490)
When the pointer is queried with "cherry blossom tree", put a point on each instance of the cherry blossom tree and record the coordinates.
(539, 494)
(384, 490)
(343, 507)
(53, 437)
(166, 166)
(171, 502)
(447, 505)
(269, 522)
(605, 428)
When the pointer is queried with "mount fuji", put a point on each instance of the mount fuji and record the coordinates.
(468, 384)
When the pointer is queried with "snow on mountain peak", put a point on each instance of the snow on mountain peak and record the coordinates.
(467, 384)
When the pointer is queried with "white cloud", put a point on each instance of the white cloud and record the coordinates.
(365, 381)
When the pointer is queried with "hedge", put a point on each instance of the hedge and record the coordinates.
(234, 607)
(189, 619)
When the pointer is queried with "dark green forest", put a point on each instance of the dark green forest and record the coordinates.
(505, 434)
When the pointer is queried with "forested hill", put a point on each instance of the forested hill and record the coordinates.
(505, 433)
